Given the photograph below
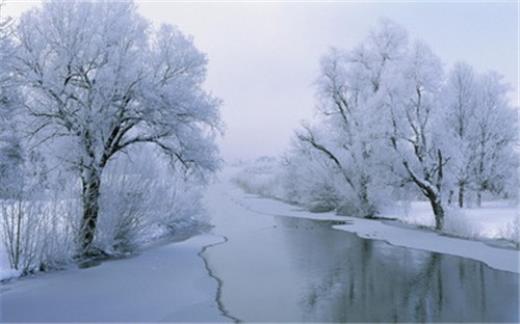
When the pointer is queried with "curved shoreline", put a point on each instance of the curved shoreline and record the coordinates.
(499, 258)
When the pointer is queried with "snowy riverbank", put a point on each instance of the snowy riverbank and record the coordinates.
(167, 283)
(395, 232)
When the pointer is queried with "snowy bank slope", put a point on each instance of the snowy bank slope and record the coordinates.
(390, 231)
(168, 283)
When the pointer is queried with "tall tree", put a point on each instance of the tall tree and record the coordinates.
(415, 127)
(460, 97)
(100, 80)
(349, 92)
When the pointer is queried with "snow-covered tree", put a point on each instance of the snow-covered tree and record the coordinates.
(349, 94)
(482, 126)
(460, 98)
(100, 80)
(390, 121)
(11, 159)
(22, 173)
(415, 129)
(494, 139)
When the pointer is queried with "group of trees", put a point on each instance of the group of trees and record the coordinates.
(87, 88)
(390, 121)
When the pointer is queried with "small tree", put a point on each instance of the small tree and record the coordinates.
(100, 80)
(494, 138)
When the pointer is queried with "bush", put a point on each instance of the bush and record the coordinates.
(38, 235)
(143, 201)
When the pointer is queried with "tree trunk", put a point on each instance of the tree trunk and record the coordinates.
(91, 187)
(450, 197)
(461, 194)
(438, 211)
(368, 209)
(479, 198)
(18, 252)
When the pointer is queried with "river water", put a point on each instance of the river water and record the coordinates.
(275, 268)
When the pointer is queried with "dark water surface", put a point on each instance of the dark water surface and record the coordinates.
(289, 269)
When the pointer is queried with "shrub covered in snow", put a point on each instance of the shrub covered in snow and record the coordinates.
(260, 177)
(142, 200)
(138, 206)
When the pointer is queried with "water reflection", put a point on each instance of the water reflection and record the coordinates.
(302, 270)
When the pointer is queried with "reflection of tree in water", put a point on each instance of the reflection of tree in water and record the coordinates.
(352, 279)
(427, 282)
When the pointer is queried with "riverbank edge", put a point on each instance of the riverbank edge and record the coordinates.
(393, 232)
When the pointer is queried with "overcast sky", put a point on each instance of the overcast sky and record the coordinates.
(264, 57)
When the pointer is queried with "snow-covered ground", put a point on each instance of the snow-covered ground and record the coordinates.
(495, 220)
(167, 283)
(489, 222)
